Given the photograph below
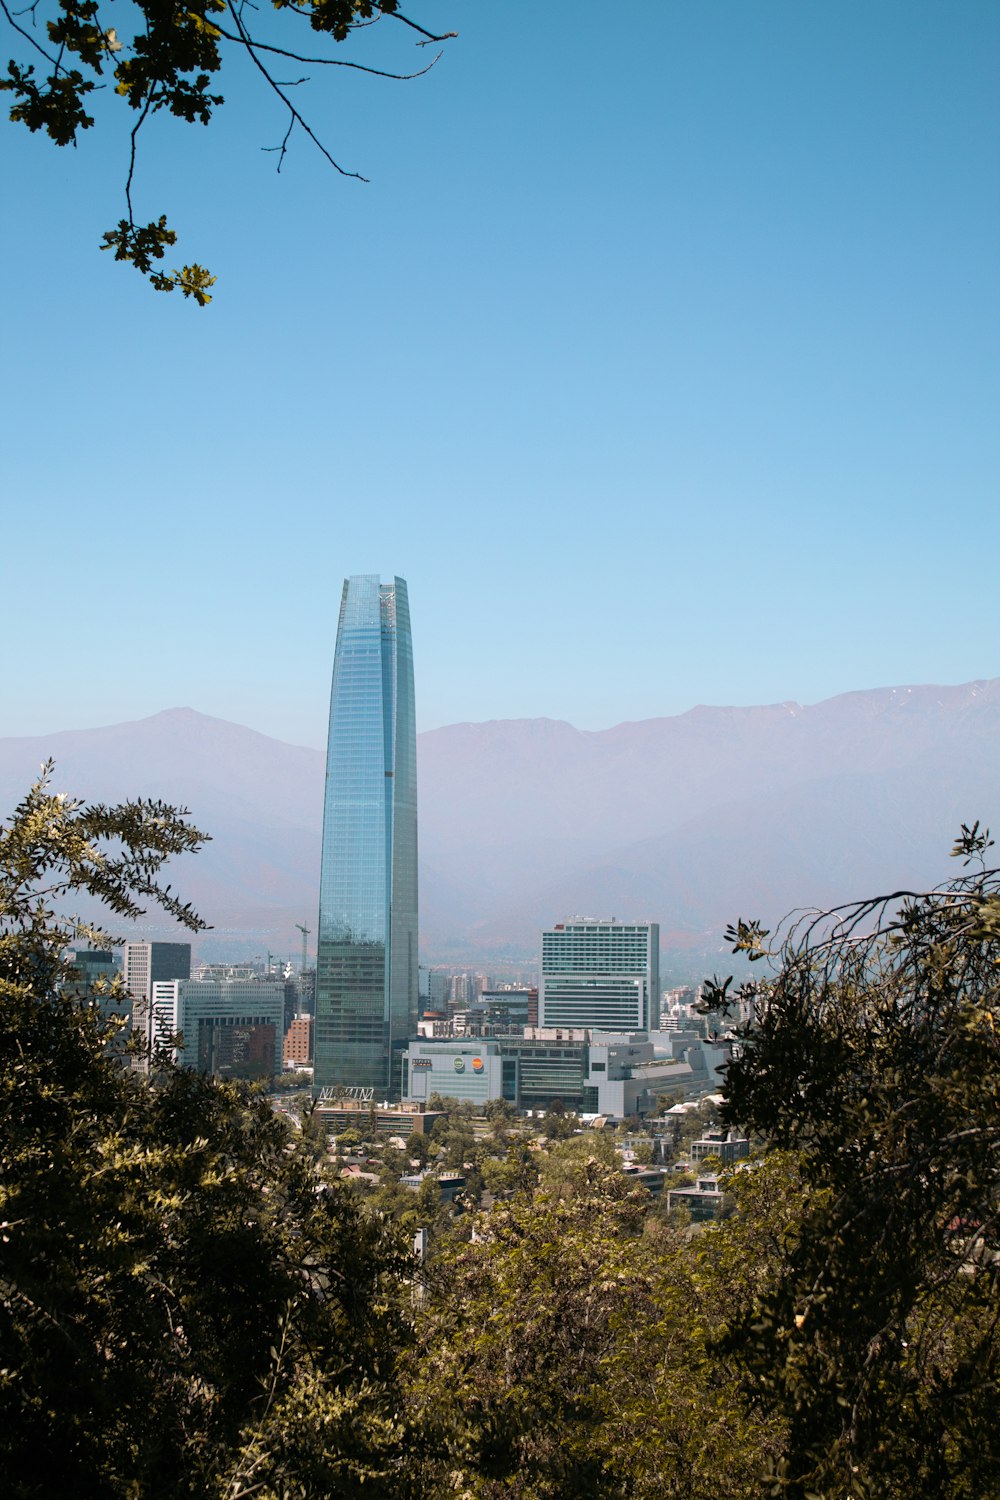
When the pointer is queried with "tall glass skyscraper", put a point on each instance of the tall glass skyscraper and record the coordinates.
(366, 961)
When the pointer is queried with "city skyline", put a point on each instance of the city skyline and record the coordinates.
(367, 937)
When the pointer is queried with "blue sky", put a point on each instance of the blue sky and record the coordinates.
(659, 355)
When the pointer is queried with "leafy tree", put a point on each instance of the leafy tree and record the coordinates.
(314, 1133)
(499, 1112)
(874, 1059)
(290, 1082)
(516, 1170)
(561, 1353)
(418, 1148)
(180, 1286)
(557, 1122)
(170, 64)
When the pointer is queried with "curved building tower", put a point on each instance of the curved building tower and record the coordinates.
(366, 958)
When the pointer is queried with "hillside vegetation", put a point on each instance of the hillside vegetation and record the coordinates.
(193, 1303)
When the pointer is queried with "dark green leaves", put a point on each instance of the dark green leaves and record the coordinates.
(874, 1052)
(145, 244)
(167, 66)
(56, 106)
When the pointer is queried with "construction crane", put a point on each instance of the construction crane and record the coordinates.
(305, 933)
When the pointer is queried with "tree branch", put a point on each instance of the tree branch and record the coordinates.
(251, 48)
(245, 40)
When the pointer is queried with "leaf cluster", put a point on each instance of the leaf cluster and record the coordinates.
(179, 1282)
(167, 65)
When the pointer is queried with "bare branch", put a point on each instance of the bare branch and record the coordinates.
(282, 149)
(397, 15)
(326, 62)
(27, 34)
(251, 48)
(131, 160)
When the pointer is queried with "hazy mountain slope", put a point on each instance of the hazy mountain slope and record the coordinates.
(261, 801)
(539, 800)
(691, 820)
(814, 844)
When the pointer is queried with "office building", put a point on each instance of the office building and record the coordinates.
(90, 967)
(146, 964)
(601, 974)
(589, 1071)
(231, 1027)
(298, 1042)
(366, 962)
(92, 975)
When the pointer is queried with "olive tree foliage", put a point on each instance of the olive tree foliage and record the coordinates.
(160, 58)
(187, 1305)
(562, 1350)
(873, 1058)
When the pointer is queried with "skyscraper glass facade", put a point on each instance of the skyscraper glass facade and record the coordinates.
(366, 965)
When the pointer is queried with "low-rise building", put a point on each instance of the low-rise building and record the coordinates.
(703, 1199)
(592, 1072)
(729, 1147)
(372, 1120)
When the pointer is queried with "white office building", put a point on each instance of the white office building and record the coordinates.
(600, 974)
(232, 1027)
(146, 964)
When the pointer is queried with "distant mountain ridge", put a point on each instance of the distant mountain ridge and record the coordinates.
(690, 820)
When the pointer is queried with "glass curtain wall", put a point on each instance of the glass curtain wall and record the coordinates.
(366, 973)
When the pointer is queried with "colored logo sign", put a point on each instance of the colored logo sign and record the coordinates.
(477, 1065)
(459, 1064)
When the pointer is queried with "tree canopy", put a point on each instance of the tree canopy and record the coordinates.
(170, 60)
(187, 1305)
(873, 1055)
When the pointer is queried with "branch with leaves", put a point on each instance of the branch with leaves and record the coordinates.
(168, 64)
(872, 1053)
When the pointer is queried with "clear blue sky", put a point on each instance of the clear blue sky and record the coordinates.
(659, 356)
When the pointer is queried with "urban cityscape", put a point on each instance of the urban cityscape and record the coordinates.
(372, 1036)
(499, 896)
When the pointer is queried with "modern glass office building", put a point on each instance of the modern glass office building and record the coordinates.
(366, 964)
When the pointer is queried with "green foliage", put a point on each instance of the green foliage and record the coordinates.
(167, 66)
(562, 1352)
(145, 244)
(874, 1057)
(418, 1148)
(192, 1303)
(177, 1279)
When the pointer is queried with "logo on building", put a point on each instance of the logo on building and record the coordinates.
(459, 1064)
(477, 1065)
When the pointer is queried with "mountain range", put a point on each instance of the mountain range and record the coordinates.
(690, 820)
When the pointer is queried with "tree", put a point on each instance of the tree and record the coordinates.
(187, 1304)
(418, 1148)
(562, 1352)
(874, 1059)
(170, 63)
